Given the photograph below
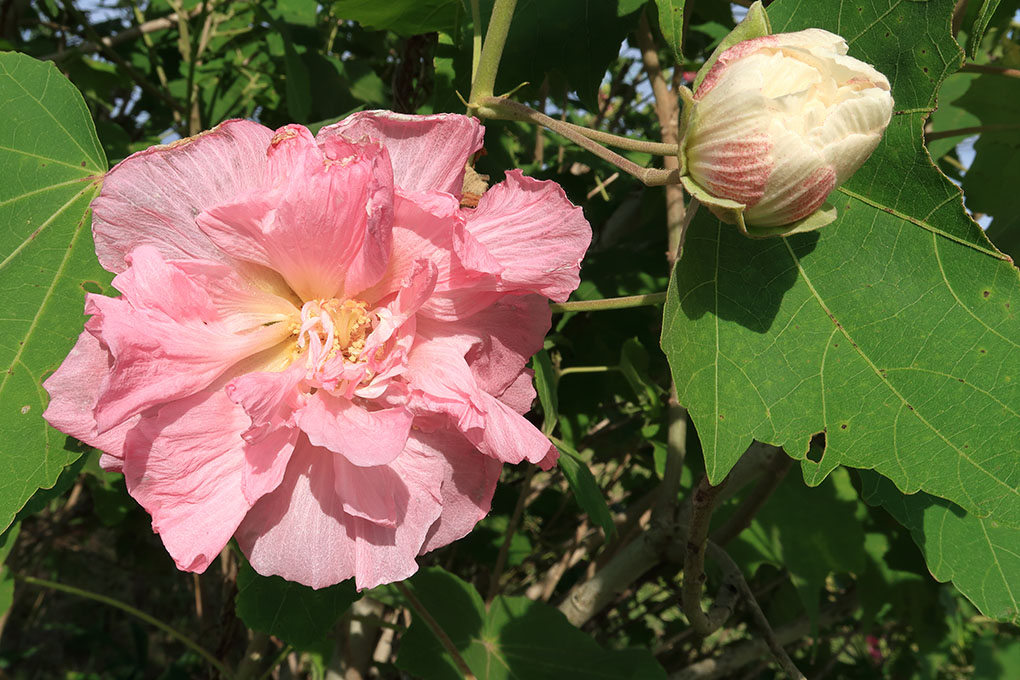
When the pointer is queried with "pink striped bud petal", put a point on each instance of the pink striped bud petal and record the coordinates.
(776, 123)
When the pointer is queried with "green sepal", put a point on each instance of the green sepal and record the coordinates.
(755, 25)
(730, 212)
(816, 220)
(686, 119)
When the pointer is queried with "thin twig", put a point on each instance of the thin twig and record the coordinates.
(967, 131)
(436, 629)
(730, 567)
(88, 47)
(137, 613)
(608, 303)
(988, 68)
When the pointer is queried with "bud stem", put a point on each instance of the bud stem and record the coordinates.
(501, 108)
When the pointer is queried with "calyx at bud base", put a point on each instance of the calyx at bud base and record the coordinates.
(775, 123)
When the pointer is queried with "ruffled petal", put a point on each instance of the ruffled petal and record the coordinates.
(302, 532)
(443, 383)
(310, 222)
(165, 337)
(74, 389)
(503, 336)
(431, 226)
(376, 494)
(364, 437)
(468, 484)
(184, 466)
(536, 234)
(153, 197)
(428, 152)
(265, 462)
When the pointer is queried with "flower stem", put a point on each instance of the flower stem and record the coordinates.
(484, 78)
(620, 142)
(137, 613)
(436, 629)
(476, 39)
(501, 108)
(608, 303)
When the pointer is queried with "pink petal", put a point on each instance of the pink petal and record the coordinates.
(166, 340)
(534, 232)
(310, 224)
(265, 462)
(268, 398)
(376, 494)
(184, 466)
(428, 152)
(153, 196)
(74, 389)
(364, 437)
(302, 533)
(503, 337)
(430, 226)
(444, 383)
(468, 484)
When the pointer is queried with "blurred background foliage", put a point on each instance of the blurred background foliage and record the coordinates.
(155, 71)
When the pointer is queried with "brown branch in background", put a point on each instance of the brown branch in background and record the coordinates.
(436, 629)
(703, 502)
(749, 507)
(990, 69)
(959, 14)
(733, 657)
(654, 545)
(140, 78)
(89, 47)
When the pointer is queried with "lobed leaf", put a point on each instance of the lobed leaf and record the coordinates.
(290, 611)
(980, 556)
(894, 330)
(52, 167)
(514, 638)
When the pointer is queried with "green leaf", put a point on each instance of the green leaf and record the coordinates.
(995, 658)
(980, 25)
(404, 17)
(980, 556)
(634, 366)
(586, 490)
(6, 578)
(894, 329)
(515, 639)
(577, 39)
(810, 532)
(671, 23)
(545, 385)
(52, 167)
(290, 611)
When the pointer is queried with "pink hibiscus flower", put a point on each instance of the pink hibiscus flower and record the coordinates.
(316, 350)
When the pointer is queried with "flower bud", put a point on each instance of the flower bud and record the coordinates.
(776, 124)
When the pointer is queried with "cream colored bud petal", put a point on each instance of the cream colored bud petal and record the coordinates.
(814, 39)
(798, 184)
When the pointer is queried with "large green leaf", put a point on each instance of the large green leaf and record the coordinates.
(513, 639)
(290, 611)
(52, 167)
(980, 556)
(894, 329)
